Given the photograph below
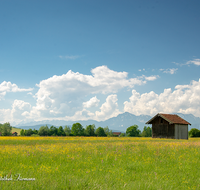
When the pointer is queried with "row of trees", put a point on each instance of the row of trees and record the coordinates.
(90, 130)
(133, 131)
(76, 130)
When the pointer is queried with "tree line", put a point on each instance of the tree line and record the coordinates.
(78, 130)
(90, 130)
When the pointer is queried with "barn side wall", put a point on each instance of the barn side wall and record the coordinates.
(181, 131)
(162, 129)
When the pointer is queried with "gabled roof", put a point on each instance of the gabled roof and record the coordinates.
(171, 118)
(116, 133)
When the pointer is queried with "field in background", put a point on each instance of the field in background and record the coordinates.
(100, 163)
(16, 130)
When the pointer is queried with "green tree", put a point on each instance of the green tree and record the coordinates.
(77, 129)
(122, 135)
(61, 131)
(100, 132)
(108, 132)
(6, 129)
(28, 132)
(147, 132)
(43, 131)
(53, 131)
(133, 131)
(67, 130)
(22, 132)
(194, 132)
(90, 130)
(35, 132)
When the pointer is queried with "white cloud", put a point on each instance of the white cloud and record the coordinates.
(9, 87)
(93, 102)
(184, 99)
(151, 78)
(5, 115)
(195, 62)
(108, 109)
(169, 71)
(2, 94)
(69, 57)
(64, 95)
(81, 115)
(19, 111)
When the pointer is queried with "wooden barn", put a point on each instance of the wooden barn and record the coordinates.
(117, 134)
(14, 134)
(169, 126)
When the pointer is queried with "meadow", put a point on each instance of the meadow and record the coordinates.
(14, 129)
(99, 163)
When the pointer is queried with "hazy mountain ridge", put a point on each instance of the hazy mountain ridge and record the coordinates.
(119, 123)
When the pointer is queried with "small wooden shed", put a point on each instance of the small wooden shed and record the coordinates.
(117, 134)
(14, 134)
(169, 126)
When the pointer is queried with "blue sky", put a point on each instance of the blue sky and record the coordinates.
(88, 59)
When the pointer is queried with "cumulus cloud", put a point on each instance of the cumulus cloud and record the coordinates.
(184, 99)
(19, 111)
(108, 109)
(9, 87)
(195, 62)
(169, 71)
(64, 95)
(93, 102)
(81, 115)
(5, 115)
(151, 78)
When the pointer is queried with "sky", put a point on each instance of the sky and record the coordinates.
(84, 59)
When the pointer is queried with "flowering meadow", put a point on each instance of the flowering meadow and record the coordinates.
(99, 163)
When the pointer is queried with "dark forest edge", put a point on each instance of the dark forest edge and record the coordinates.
(90, 130)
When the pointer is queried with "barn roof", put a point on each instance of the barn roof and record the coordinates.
(116, 133)
(171, 118)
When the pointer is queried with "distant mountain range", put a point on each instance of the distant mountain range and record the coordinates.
(119, 123)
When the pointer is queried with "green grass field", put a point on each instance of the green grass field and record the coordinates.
(99, 163)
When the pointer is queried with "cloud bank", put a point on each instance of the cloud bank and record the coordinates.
(75, 96)
(63, 95)
(184, 99)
